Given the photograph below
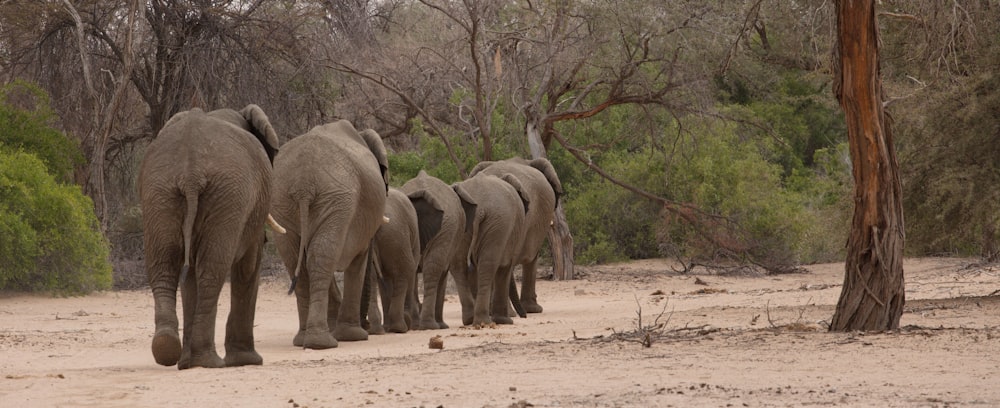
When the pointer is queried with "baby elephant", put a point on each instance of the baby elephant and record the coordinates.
(396, 253)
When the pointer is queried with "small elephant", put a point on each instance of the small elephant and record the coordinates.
(441, 221)
(204, 185)
(540, 183)
(481, 266)
(396, 253)
(330, 189)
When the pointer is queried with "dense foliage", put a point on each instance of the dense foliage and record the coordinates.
(721, 108)
(49, 238)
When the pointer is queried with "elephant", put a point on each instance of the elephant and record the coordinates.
(330, 187)
(441, 222)
(396, 253)
(541, 184)
(204, 186)
(494, 229)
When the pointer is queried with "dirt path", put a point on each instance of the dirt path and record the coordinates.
(726, 341)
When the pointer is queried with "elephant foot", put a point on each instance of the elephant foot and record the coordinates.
(531, 307)
(318, 340)
(429, 325)
(209, 359)
(398, 327)
(166, 347)
(350, 333)
(503, 320)
(375, 329)
(299, 338)
(242, 358)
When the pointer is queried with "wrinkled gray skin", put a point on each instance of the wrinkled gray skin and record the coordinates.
(542, 187)
(481, 266)
(204, 185)
(396, 251)
(330, 191)
(441, 221)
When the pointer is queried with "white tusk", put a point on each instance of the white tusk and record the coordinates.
(385, 220)
(274, 225)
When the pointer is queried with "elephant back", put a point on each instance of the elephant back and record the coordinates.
(439, 210)
(540, 188)
(332, 168)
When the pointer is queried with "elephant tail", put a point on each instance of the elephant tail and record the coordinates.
(188, 231)
(306, 235)
(515, 300)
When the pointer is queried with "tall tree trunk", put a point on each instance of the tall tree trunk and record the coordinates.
(560, 239)
(873, 293)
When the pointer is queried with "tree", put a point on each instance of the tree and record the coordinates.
(873, 293)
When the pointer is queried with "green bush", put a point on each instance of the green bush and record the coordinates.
(49, 238)
(781, 221)
(26, 123)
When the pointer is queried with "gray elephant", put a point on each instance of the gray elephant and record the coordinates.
(396, 253)
(481, 265)
(441, 221)
(541, 185)
(205, 184)
(330, 191)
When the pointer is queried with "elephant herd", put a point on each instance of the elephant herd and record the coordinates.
(210, 181)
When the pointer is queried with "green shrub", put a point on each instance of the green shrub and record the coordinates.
(49, 239)
(781, 221)
(26, 123)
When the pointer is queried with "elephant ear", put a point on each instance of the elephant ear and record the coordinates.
(480, 167)
(545, 166)
(430, 215)
(513, 181)
(261, 128)
(468, 204)
(374, 142)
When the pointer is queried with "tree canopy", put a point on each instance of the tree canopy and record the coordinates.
(706, 131)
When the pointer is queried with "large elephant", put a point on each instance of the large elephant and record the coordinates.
(481, 265)
(329, 192)
(396, 252)
(541, 185)
(205, 184)
(441, 222)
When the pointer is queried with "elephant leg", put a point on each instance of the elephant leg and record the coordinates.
(499, 298)
(394, 297)
(442, 288)
(349, 318)
(302, 306)
(334, 303)
(411, 311)
(288, 249)
(321, 276)
(464, 276)
(486, 273)
(239, 328)
(529, 300)
(435, 277)
(374, 314)
(163, 275)
(200, 310)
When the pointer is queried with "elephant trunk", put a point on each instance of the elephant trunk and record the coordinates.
(515, 300)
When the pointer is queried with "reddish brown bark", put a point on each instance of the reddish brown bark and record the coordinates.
(873, 294)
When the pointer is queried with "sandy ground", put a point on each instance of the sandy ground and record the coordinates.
(724, 341)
